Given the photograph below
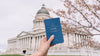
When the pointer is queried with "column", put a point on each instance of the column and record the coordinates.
(81, 40)
(68, 39)
(22, 43)
(76, 39)
(26, 42)
(41, 37)
(37, 41)
(85, 40)
(29, 42)
(18, 43)
(33, 42)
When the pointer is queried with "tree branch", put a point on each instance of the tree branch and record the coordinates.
(91, 10)
(80, 13)
(96, 34)
(98, 1)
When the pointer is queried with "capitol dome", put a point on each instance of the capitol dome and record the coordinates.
(43, 10)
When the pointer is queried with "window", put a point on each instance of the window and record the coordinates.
(31, 38)
(75, 34)
(67, 34)
(43, 35)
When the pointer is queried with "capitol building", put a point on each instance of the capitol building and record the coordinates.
(28, 42)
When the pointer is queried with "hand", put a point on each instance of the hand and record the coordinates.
(44, 46)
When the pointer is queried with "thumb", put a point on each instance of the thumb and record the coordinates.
(51, 39)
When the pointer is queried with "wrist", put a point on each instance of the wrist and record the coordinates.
(40, 53)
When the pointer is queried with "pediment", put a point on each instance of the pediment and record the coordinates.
(23, 33)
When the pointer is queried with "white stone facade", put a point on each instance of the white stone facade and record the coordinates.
(29, 41)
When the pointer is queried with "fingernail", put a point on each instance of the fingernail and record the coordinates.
(52, 36)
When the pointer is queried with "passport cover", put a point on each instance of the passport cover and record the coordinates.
(53, 27)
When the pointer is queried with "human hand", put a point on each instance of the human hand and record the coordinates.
(44, 46)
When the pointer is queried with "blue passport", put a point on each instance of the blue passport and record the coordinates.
(53, 27)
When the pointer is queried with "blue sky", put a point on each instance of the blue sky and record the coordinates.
(17, 16)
